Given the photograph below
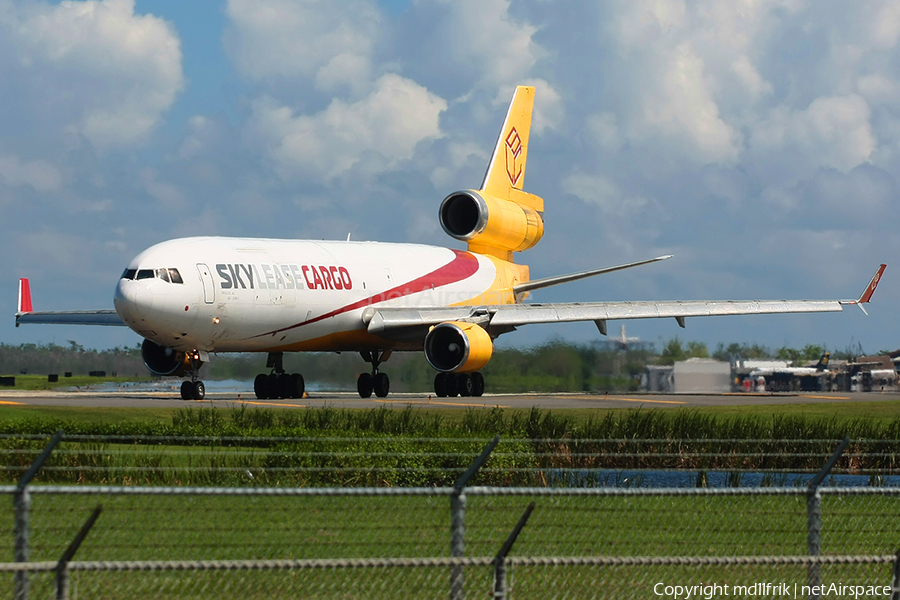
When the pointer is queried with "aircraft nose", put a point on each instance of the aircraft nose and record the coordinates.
(132, 300)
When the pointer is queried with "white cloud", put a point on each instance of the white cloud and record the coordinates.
(832, 132)
(383, 127)
(603, 193)
(92, 68)
(331, 42)
(750, 77)
(604, 130)
(458, 154)
(165, 193)
(884, 24)
(482, 34)
(683, 107)
(877, 88)
(37, 174)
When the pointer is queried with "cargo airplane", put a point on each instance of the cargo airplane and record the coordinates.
(193, 297)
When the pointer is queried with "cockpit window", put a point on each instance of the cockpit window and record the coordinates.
(145, 274)
(129, 273)
(175, 276)
(163, 274)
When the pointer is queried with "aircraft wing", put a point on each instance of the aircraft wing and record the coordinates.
(71, 317)
(500, 318)
(26, 314)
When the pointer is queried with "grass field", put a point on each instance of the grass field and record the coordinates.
(144, 527)
(40, 382)
(222, 528)
(877, 413)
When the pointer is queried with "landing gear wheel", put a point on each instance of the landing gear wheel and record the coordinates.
(382, 385)
(272, 386)
(452, 385)
(477, 384)
(440, 385)
(199, 390)
(364, 385)
(285, 386)
(465, 384)
(299, 385)
(261, 386)
(187, 390)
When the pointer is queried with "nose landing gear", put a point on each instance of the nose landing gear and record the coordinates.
(375, 382)
(278, 384)
(194, 389)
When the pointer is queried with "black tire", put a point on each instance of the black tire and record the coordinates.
(440, 385)
(299, 385)
(382, 385)
(285, 386)
(272, 386)
(364, 385)
(478, 384)
(452, 385)
(187, 390)
(465, 385)
(261, 386)
(199, 390)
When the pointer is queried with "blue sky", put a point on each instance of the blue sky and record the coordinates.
(758, 142)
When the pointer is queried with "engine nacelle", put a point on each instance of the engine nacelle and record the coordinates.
(164, 361)
(485, 220)
(457, 347)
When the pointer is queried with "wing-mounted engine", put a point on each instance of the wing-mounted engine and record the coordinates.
(458, 347)
(164, 361)
(487, 222)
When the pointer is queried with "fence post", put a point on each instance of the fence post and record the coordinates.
(62, 567)
(458, 521)
(814, 519)
(895, 584)
(500, 559)
(22, 503)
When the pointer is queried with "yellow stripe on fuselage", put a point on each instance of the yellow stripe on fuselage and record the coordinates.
(507, 275)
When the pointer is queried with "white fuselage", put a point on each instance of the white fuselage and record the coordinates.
(254, 295)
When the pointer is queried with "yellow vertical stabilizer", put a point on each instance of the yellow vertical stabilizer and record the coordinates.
(500, 218)
(506, 172)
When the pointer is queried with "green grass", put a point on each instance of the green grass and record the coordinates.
(39, 382)
(222, 528)
(877, 413)
(255, 527)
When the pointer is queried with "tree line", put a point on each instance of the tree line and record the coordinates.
(554, 366)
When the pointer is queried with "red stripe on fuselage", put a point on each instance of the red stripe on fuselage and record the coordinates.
(462, 266)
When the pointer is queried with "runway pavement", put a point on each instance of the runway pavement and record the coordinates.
(170, 399)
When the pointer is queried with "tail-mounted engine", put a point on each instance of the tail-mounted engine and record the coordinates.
(486, 221)
(164, 361)
(460, 347)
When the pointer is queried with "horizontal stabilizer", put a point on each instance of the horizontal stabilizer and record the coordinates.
(558, 279)
(70, 317)
(25, 313)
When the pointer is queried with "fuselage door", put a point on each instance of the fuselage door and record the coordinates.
(209, 289)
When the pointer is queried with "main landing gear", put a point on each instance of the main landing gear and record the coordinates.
(193, 389)
(449, 385)
(375, 382)
(278, 384)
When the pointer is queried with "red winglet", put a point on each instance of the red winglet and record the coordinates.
(25, 296)
(870, 289)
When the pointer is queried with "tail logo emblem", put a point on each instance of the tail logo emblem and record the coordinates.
(513, 152)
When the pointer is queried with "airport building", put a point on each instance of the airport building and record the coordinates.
(699, 375)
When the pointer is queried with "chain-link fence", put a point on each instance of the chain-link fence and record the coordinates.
(458, 540)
